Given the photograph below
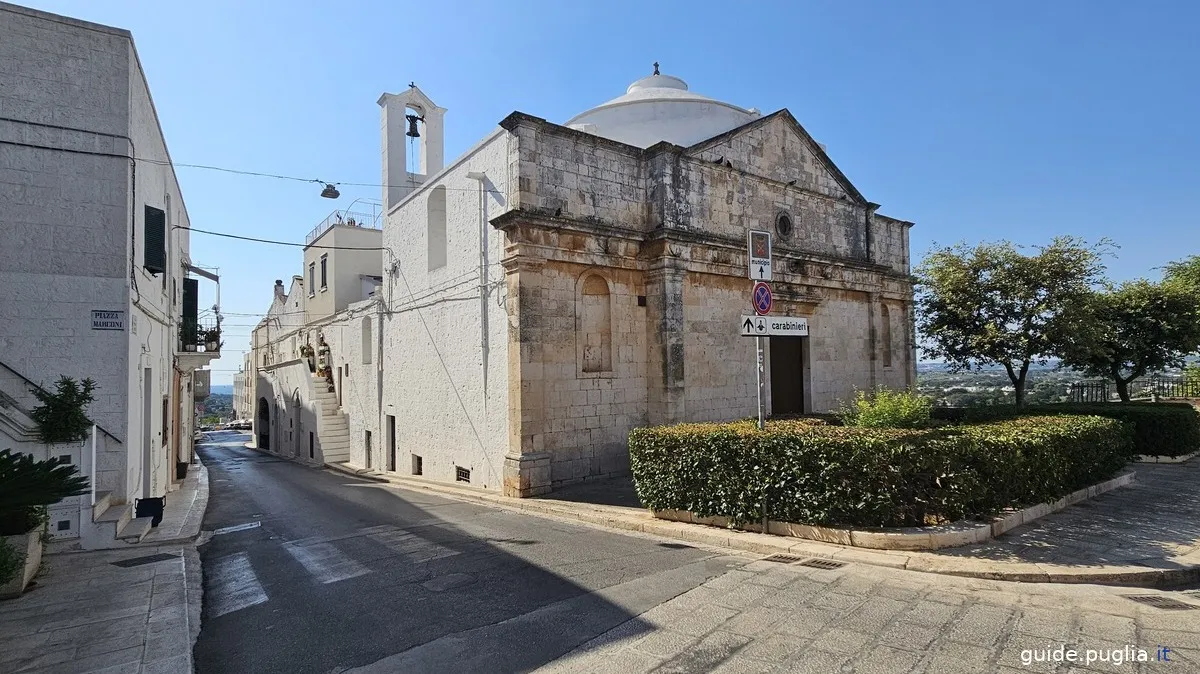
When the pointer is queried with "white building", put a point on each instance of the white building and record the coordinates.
(96, 271)
(308, 407)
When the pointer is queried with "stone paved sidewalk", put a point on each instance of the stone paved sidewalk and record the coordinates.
(89, 614)
(135, 609)
(1146, 534)
(782, 618)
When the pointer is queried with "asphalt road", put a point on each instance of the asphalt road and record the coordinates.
(314, 571)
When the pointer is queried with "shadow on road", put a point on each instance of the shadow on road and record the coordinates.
(340, 573)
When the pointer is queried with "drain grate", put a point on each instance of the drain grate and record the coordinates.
(1158, 601)
(148, 559)
(826, 564)
(783, 559)
(675, 546)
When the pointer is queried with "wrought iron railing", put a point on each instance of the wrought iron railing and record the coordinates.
(1155, 386)
(370, 220)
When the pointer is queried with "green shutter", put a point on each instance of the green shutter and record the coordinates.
(156, 240)
(189, 330)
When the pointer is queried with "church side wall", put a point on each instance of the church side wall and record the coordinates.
(448, 409)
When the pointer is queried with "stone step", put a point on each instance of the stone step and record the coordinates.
(118, 514)
(136, 530)
(103, 501)
(336, 456)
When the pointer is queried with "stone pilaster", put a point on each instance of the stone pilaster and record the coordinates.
(526, 465)
(664, 302)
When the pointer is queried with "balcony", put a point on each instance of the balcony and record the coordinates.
(199, 343)
(199, 337)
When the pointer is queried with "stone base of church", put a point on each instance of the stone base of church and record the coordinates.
(526, 475)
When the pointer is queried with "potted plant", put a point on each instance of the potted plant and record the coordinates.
(212, 340)
(189, 335)
(26, 488)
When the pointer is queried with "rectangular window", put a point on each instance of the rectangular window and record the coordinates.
(155, 241)
(367, 448)
(312, 279)
(166, 419)
(324, 265)
(418, 467)
(462, 474)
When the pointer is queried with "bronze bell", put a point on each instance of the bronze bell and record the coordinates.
(412, 125)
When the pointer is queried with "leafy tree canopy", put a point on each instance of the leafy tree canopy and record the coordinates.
(1135, 328)
(994, 304)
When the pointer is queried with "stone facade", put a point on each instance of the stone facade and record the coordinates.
(552, 289)
(665, 228)
(624, 276)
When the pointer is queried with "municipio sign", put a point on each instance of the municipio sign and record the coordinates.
(758, 245)
(774, 326)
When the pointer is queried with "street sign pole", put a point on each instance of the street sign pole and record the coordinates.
(759, 380)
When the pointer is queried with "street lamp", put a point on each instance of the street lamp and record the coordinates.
(330, 192)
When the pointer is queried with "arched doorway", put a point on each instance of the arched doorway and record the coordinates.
(264, 424)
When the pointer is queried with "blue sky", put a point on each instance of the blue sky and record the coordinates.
(1016, 120)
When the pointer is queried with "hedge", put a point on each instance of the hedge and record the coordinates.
(1159, 429)
(840, 476)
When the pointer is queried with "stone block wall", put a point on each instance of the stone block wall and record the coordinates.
(719, 363)
(890, 243)
(585, 417)
(583, 176)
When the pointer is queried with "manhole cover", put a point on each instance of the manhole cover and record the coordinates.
(783, 559)
(1158, 601)
(826, 564)
(148, 559)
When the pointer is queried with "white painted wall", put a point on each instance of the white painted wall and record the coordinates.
(359, 382)
(155, 302)
(433, 359)
(72, 204)
(344, 268)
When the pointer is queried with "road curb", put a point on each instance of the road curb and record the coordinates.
(625, 519)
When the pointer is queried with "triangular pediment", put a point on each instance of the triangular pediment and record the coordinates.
(779, 148)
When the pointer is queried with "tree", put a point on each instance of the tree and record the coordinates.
(1135, 328)
(991, 304)
(1185, 271)
(62, 416)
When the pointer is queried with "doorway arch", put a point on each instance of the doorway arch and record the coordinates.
(263, 423)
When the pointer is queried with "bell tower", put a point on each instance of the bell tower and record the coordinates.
(413, 146)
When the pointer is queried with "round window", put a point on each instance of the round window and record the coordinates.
(783, 225)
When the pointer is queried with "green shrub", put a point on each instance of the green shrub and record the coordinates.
(845, 476)
(888, 409)
(1159, 429)
(27, 486)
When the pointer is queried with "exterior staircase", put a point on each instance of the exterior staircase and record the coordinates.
(114, 523)
(333, 428)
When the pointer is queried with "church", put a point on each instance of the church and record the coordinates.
(558, 285)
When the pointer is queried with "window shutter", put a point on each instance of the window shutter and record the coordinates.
(189, 317)
(155, 240)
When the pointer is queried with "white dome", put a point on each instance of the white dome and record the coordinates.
(658, 108)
